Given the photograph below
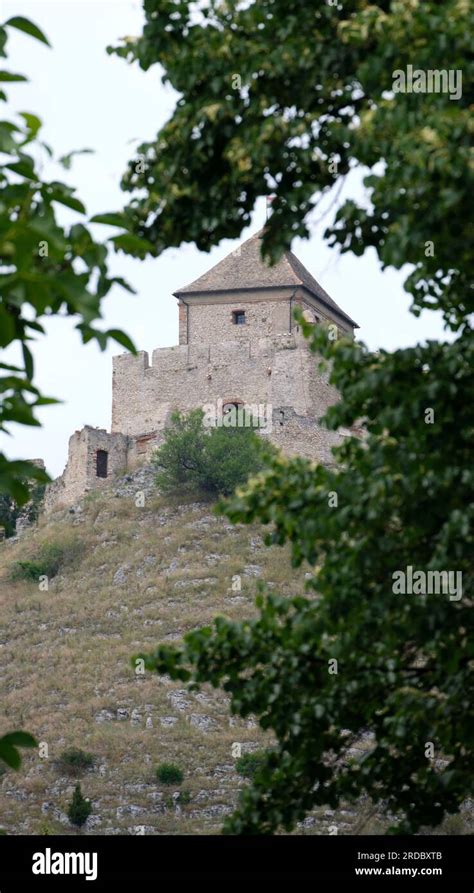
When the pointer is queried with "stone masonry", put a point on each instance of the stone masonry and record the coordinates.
(239, 346)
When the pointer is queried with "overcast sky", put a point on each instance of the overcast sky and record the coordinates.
(89, 99)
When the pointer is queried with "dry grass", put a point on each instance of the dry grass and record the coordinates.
(65, 663)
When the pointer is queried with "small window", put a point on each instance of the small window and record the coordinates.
(238, 317)
(102, 457)
(228, 407)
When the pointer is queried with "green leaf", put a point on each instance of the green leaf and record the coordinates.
(66, 160)
(111, 219)
(28, 361)
(7, 143)
(20, 739)
(24, 168)
(9, 745)
(68, 200)
(9, 754)
(10, 77)
(27, 27)
(131, 244)
(33, 123)
(123, 339)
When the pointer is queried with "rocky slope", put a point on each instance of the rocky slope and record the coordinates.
(132, 576)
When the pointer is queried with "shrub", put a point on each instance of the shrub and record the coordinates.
(169, 773)
(79, 808)
(183, 798)
(73, 761)
(249, 763)
(48, 560)
(213, 460)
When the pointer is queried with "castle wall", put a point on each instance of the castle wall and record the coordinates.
(263, 316)
(187, 376)
(279, 371)
(298, 435)
(80, 474)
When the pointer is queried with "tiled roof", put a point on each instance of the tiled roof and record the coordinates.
(244, 269)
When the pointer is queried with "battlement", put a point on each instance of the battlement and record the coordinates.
(190, 375)
(178, 357)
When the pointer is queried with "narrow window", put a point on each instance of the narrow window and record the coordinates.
(228, 407)
(101, 463)
(238, 317)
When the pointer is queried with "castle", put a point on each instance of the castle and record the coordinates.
(239, 346)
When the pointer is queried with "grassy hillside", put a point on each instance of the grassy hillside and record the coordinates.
(130, 577)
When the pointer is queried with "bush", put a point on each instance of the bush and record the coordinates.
(49, 559)
(73, 761)
(249, 763)
(213, 460)
(169, 773)
(183, 799)
(79, 809)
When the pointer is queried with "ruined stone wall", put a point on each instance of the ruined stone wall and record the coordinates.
(80, 474)
(299, 435)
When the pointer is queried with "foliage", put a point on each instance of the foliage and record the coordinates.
(9, 747)
(46, 269)
(250, 763)
(35, 503)
(79, 809)
(214, 460)
(169, 773)
(48, 560)
(181, 799)
(74, 761)
(286, 97)
(10, 511)
(403, 666)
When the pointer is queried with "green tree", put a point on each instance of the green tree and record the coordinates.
(46, 269)
(79, 809)
(213, 460)
(357, 657)
(288, 98)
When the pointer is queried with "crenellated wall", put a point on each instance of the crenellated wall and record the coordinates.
(277, 370)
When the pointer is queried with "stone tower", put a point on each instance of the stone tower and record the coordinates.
(238, 346)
